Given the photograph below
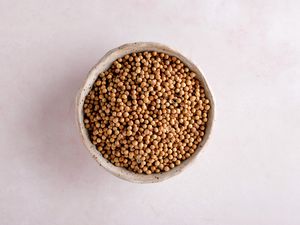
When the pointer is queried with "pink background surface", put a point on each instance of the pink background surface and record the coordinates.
(247, 174)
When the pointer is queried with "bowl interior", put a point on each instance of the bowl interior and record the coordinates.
(103, 65)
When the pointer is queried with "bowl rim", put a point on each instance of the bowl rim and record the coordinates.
(103, 64)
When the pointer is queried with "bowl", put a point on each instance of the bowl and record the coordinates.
(103, 65)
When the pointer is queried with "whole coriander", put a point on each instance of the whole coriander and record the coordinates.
(147, 113)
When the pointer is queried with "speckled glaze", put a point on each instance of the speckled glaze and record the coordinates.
(103, 65)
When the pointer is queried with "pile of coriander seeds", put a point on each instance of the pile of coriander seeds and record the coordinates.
(147, 113)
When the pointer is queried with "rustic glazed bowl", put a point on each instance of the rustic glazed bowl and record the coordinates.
(103, 65)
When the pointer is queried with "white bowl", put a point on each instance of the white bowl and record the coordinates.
(103, 65)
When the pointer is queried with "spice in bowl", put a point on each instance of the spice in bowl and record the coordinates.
(147, 113)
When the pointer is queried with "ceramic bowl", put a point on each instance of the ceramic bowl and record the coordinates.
(103, 65)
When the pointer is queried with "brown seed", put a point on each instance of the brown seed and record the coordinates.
(147, 112)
